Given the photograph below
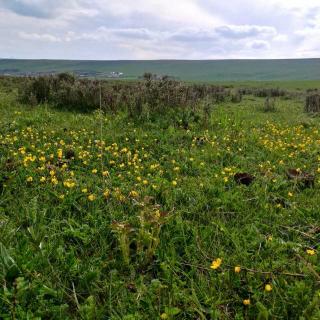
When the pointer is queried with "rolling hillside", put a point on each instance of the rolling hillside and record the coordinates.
(213, 70)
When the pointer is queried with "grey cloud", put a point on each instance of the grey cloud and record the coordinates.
(236, 32)
(259, 45)
(48, 9)
(245, 31)
(192, 35)
(35, 8)
(140, 33)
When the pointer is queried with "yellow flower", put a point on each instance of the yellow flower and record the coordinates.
(246, 302)
(29, 179)
(59, 153)
(311, 252)
(42, 179)
(174, 183)
(91, 197)
(69, 184)
(84, 190)
(105, 173)
(133, 194)
(106, 194)
(290, 194)
(54, 180)
(216, 263)
(225, 179)
(61, 196)
(94, 171)
(145, 182)
(164, 316)
(237, 269)
(268, 287)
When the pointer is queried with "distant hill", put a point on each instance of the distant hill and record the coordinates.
(189, 70)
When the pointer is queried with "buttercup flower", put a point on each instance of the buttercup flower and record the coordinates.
(216, 263)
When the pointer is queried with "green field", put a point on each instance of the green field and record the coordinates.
(107, 216)
(213, 70)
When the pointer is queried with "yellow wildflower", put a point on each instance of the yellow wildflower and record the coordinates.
(216, 263)
(69, 184)
(105, 173)
(133, 194)
(106, 194)
(237, 269)
(59, 153)
(268, 287)
(246, 302)
(91, 197)
(311, 252)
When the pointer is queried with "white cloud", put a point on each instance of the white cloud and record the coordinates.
(39, 37)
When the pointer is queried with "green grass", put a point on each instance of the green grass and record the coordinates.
(193, 70)
(138, 243)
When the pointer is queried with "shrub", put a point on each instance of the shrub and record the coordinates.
(312, 103)
(236, 96)
(154, 95)
(269, 105)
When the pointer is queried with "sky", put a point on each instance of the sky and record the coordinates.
(159, 29)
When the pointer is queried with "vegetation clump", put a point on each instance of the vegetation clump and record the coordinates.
(312, 104)
(151, 96)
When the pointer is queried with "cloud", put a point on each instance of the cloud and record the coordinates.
(245, 31)
(235, 32)
(158, 29)
(32, 8)
(39, 37)
(259, 45)
(49, 9)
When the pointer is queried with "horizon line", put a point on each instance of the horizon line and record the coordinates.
(151, 60)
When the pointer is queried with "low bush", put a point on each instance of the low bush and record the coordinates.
(312, 103)
(66, 91)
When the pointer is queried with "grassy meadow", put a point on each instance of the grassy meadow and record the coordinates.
(105, 216)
